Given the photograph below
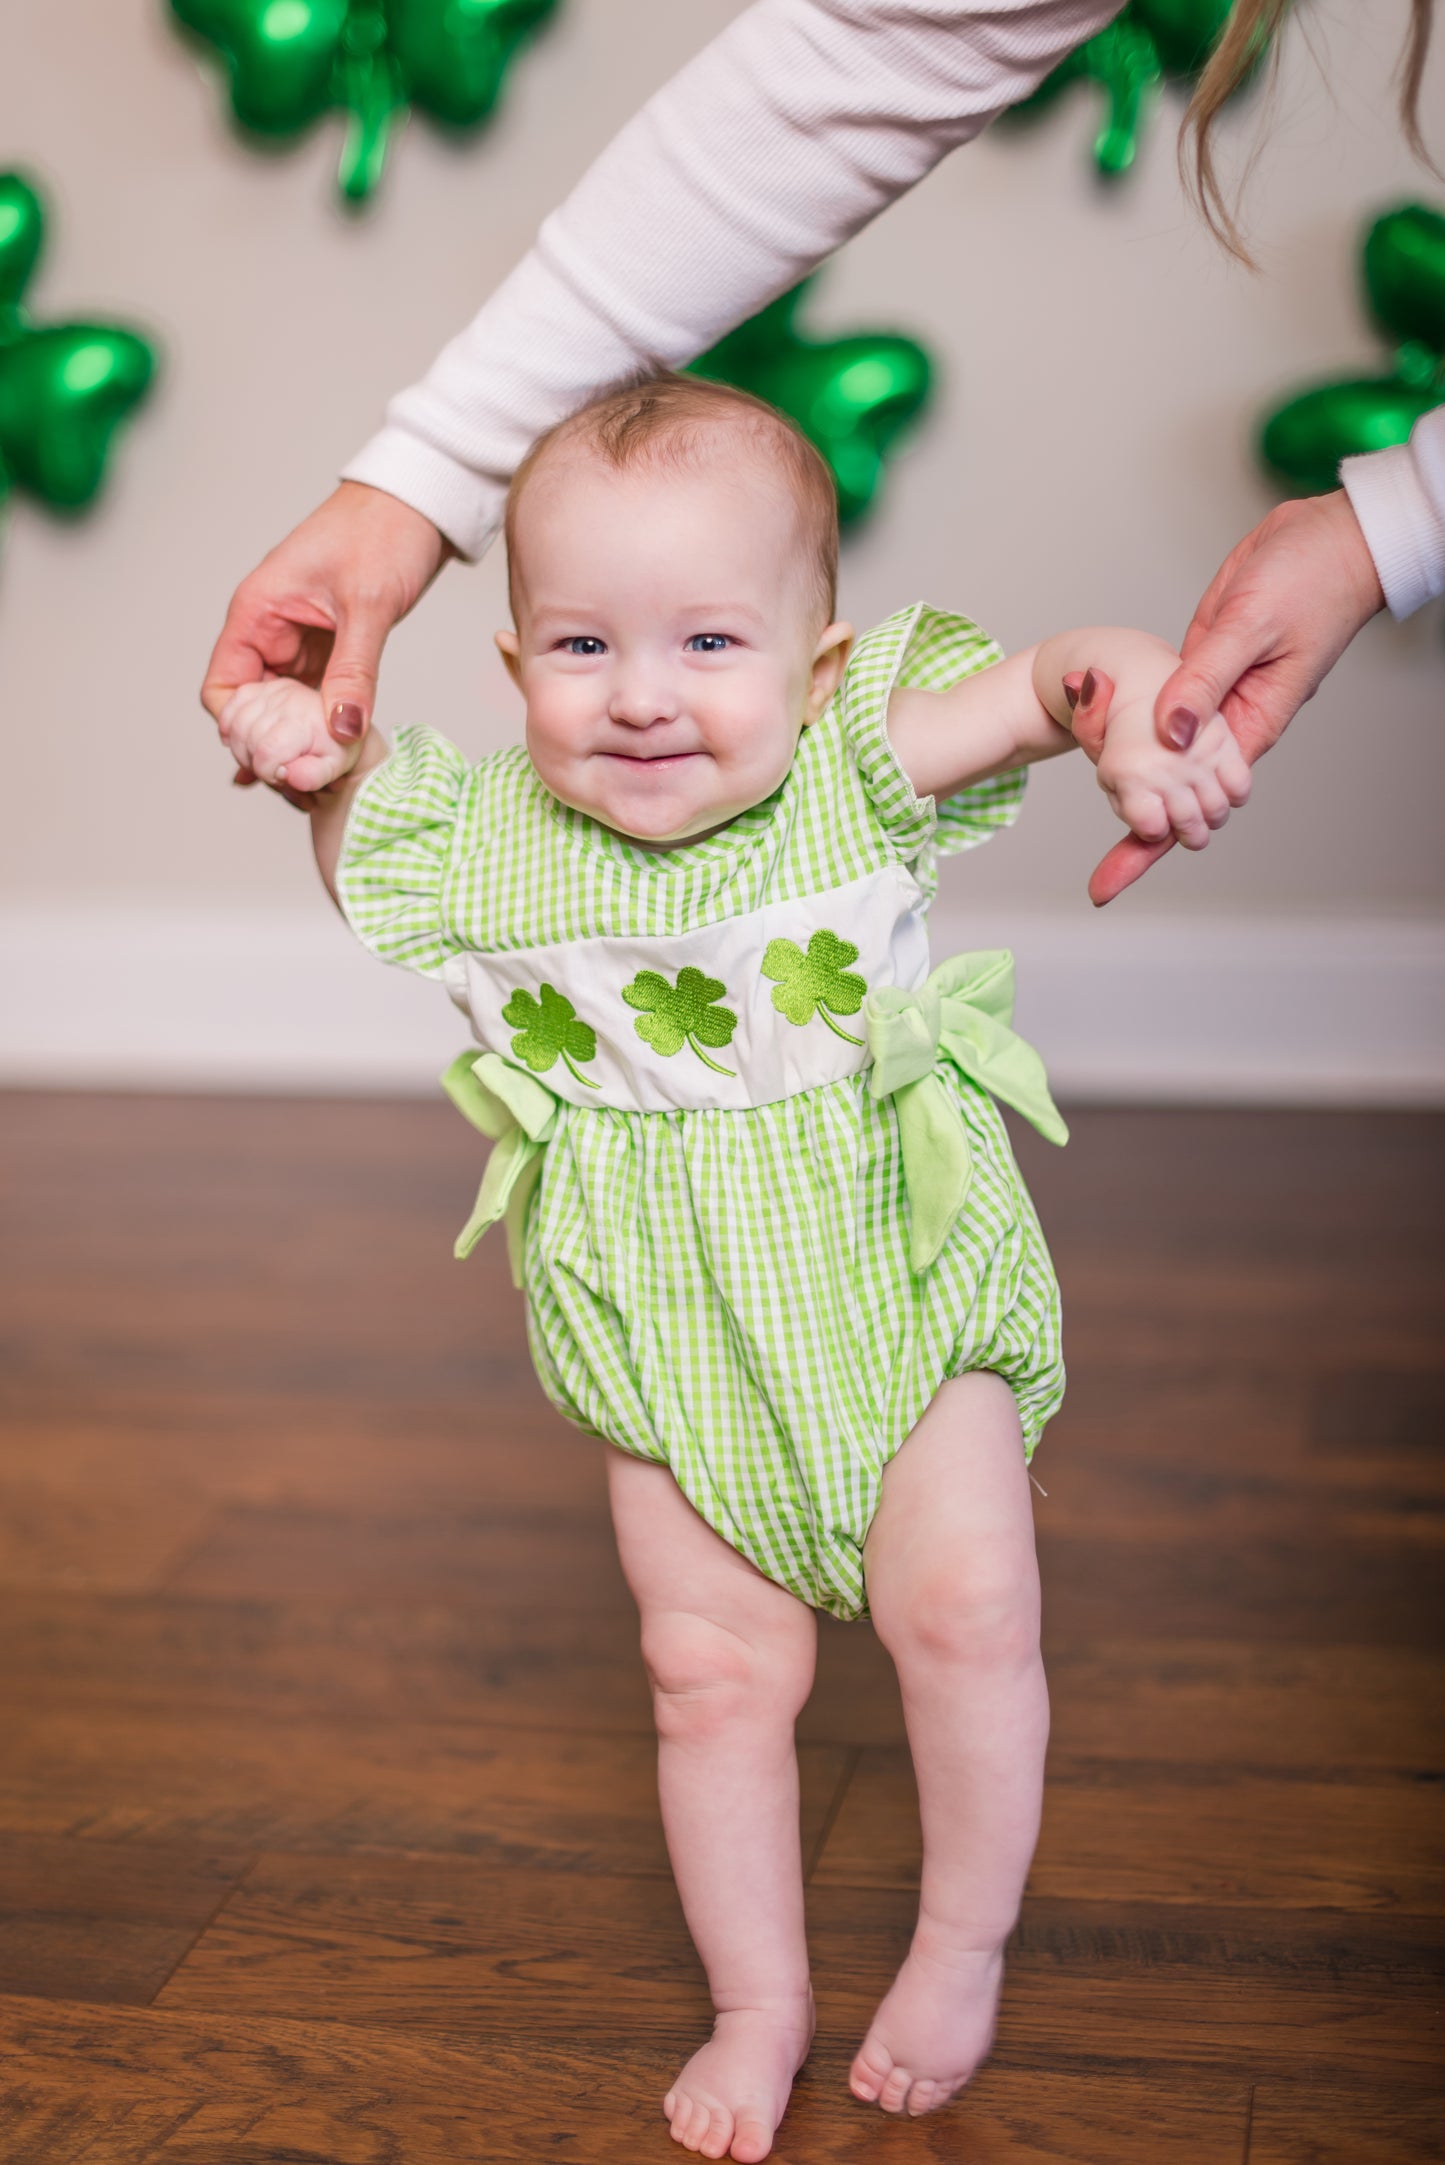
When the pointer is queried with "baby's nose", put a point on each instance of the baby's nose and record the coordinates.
(641, 703)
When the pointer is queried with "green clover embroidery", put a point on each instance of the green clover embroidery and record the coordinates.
(548, 1030)
(813, 983)
(683, 1014)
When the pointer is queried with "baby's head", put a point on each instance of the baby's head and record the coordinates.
(672, 554)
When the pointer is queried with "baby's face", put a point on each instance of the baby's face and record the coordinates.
(667, 643)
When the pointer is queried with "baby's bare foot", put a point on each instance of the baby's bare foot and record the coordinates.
(729, 2098)
(933, 2028)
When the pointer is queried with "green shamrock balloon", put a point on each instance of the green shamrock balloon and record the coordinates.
(683, 1014)
(1403, 272)
(64, 387)
(292, 60)
(1152, 42)
(853, 397)
(819, 982)
(548, 1030)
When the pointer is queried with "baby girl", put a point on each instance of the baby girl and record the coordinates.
(754, 1180)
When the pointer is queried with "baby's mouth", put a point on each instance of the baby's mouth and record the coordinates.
(652, 759)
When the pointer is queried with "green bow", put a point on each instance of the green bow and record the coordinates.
(518, 1113)
(965, 1010)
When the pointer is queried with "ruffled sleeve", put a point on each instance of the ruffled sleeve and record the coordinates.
(921, 649)
(396, 852)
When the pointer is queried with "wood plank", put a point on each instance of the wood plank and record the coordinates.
(1201, 1702)
(451, 1944)
(278, 1450)
(117, 1540)
(484, 1556)
(524, 1666)
(115, 2087)
(1273, 1591)
(102, 1921)
(92, 2087)
(1312, 2124)
(583, 1801)
(1159, 1835)
(1169, 1702)
(1182, 1701)
(464, 1946)
(1256, 1491)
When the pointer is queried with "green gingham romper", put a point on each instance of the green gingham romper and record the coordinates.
(739, 1258)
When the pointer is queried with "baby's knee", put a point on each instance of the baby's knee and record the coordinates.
(707, 1679)
(984, 1616)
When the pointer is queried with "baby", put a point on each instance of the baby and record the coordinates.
(775, 1248)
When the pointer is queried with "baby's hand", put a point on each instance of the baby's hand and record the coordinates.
(1160, 793)
(276, 732)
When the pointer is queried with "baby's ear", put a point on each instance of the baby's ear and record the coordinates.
(509, 646)
(830, 659)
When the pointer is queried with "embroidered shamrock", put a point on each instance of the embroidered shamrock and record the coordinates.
(814, 983)
(548, 1030)
(686, 1013)
(64, 387)
(289, 60)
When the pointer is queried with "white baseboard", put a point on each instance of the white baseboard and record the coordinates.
(1216, 1010)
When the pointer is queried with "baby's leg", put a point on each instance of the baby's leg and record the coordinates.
(953, 1587)
(730, 1656)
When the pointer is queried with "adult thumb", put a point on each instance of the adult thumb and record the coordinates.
(348, 690)
(1201, 683)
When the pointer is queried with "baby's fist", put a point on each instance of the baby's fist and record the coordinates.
(1164, 795)
(276, 731)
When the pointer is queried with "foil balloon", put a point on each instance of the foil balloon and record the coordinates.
(64, 387)
(1152, 42)
(1403, 273)
(853, 397)
(290, 61)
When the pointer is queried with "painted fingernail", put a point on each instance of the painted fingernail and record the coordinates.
(346, 723)
(1087, 688)
(1183, 728)
(1071, 693)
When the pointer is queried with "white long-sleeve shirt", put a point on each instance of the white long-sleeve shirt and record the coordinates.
(784, 136)
(1398, 496)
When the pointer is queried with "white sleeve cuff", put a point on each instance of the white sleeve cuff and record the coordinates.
(466, 506)
(1393, 494)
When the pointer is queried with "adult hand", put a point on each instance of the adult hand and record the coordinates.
(320, 606)
(1276, 617)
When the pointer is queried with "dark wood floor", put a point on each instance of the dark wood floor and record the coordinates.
(329, 1832)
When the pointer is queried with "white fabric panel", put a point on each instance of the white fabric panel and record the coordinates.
(882, 915)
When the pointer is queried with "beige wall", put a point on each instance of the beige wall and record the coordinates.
(1089, 457)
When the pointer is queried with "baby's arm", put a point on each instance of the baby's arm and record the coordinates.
(276, 732)
(1017, 712)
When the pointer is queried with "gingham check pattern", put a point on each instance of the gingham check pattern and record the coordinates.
(729, 1292)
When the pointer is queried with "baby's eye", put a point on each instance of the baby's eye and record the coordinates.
(709, 642)
(585, 645)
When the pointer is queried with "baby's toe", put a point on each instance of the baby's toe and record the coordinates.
(924, 2095)
(718, 2133)
(752, 2140)
(870, 2070)
(894, 2092)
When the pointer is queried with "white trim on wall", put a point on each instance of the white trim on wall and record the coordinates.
(1217, 1010)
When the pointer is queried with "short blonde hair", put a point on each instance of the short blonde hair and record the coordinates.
(665, 419)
